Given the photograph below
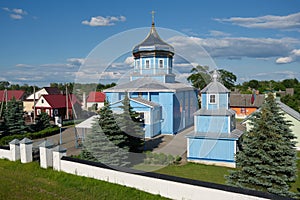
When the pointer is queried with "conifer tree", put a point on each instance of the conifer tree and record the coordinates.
(14, 122)
(110, 128)
(98, 147)
(43, 121)
(267, 160)
(131, 124)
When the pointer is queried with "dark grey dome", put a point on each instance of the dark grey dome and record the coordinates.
(153, 43)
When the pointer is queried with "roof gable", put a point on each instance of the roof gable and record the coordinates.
(59, 100)
(96, 97)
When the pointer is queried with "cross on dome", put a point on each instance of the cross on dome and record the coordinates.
(215, 76)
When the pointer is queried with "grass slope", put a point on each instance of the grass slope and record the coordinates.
(29, 181)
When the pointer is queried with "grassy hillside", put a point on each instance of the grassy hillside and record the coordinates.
(29, 181)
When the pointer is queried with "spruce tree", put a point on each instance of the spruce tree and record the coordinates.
(14, 122)
(98, 147)
(267, 159)
(131, 124)
(43, 121)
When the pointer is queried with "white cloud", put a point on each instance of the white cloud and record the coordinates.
(103, 21)
(76, 61)
(293, 57)
(16, 13)
(129, 60)
(19, 11)
(15, 16)
(215, 33)
(237, 47)
(288, 22)
(24, 65)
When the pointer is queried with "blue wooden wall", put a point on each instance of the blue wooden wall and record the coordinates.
(209, 149)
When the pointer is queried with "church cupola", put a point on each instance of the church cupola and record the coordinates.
(153, 58)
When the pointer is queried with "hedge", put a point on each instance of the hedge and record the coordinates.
(44, 133)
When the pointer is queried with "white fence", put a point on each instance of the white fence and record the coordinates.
(164, 185)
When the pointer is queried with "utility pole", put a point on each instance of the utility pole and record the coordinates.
(34, 105)
(67, 104)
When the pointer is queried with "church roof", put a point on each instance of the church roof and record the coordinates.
(234, 135)
(216, 112)
(149, 85)
(289, 110)
(215, 86)
(145, 102)
(153, 43)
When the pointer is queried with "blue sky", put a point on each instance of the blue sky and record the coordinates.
(47, 41)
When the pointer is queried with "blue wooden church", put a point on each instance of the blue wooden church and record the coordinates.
(166, 105)
(215, 136)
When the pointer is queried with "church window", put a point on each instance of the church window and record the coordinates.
(147, 64)
(212, 99)
(161, 63)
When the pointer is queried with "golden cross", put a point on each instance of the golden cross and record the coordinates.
(152, 12)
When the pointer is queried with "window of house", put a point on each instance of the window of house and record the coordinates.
(212, 99)
(147, 64)
(42, 100)
(161, 63)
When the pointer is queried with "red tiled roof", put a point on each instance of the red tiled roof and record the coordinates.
(96, 97)
(18, 94)
(59, 100)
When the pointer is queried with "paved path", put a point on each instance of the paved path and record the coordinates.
(68, 141)
(175, 145)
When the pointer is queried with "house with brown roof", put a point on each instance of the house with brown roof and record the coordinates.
(57, 105)
(245, 104)
(8, 95)
(28, 103)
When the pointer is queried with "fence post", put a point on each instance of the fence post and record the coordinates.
(14, 147)
(26, 150)
(58, 153)
(46, 154)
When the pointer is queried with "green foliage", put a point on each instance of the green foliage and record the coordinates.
(131, 124)
(105, 149)
(201, 76)
(160, 159)
(29, 181)
(14, 118)
(267, 160)
(36, 135)
(291, 101)
(42, 122)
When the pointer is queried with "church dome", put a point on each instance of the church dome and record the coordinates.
(153, 43)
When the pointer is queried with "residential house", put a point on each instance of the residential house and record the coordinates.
(7, 95)
(28, 103)
(245, 104)
(55, 105)
(290, 115)
(95, 99)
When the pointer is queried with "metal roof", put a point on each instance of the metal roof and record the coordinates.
(215, 87)
(145, 102)
(289, 110)
(153, 43)
(244, 100)
(88, 123)
(217, 112)
(234, 135)
(149, 85)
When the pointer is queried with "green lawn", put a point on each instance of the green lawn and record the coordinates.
(209, 173)
(29, 181)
